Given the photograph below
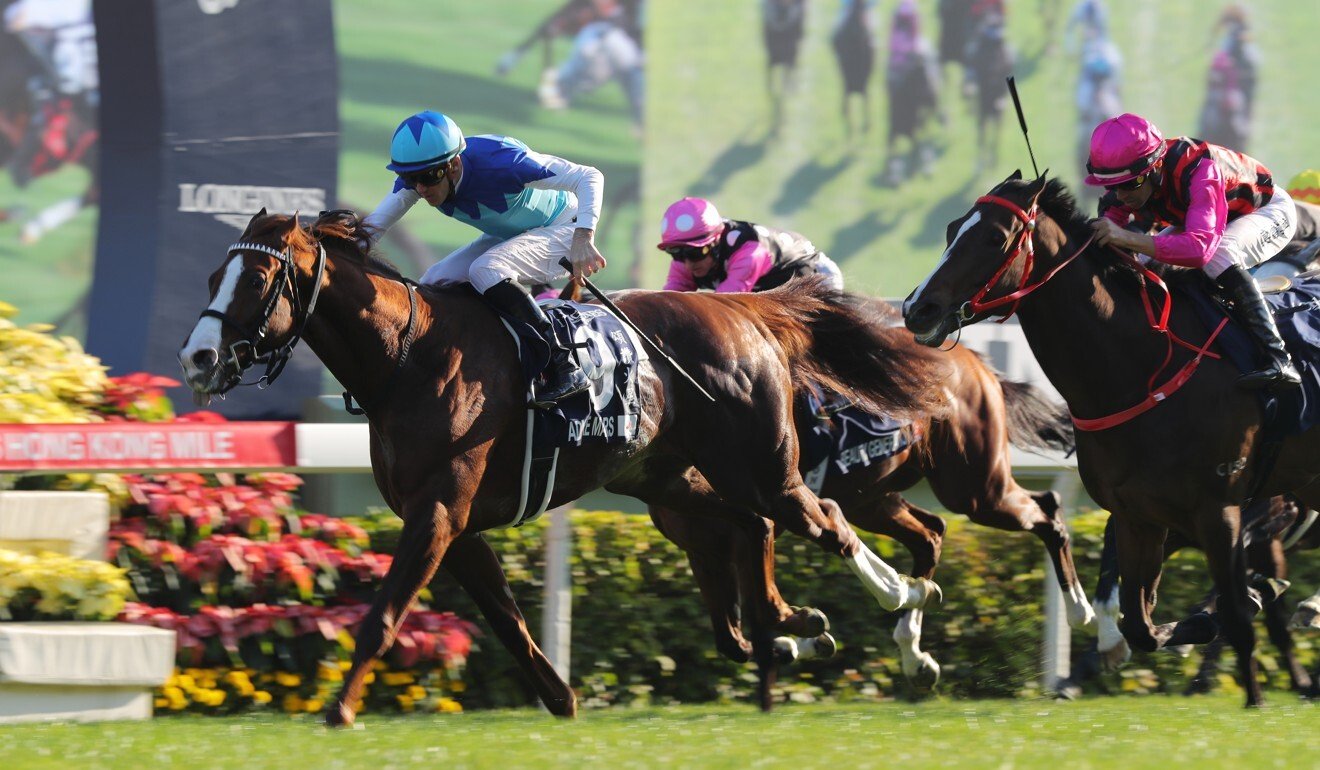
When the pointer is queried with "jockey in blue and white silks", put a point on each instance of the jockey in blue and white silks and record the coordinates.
(532, 210)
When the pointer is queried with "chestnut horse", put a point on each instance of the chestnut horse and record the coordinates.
(965, 458)
(440, 381)
(1159, 465)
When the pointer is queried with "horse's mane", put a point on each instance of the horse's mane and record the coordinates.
(340, 232)
(1057, 202)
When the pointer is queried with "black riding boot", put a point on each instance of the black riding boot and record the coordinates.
(567, 377)
(1255, 315)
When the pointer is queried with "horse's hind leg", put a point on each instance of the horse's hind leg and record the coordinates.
(476, 567)
(993, 498)
(425, 537)
(1269, 560)
(922, 533)
(762, 475)
(709, 548)
(1228, 564)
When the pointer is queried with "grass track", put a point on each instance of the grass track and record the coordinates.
(1130, 733)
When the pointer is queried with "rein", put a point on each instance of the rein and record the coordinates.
(1023, 244)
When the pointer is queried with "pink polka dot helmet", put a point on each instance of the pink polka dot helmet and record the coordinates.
(690, 222)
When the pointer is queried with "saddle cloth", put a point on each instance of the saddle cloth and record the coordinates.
(1297, 314)
(609, 412)
(836, 437)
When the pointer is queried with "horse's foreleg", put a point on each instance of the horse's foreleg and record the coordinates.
(1228, 564)
(422, 544)
(1110, 644)
(1140, 562)
(476, 567)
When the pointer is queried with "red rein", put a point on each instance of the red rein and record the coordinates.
(1023, 244)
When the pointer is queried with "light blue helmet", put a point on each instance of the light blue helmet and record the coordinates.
(424, 140)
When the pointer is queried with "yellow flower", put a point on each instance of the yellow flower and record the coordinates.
(416, 692)
(313, 706)
(405, 702)
(396, 678)
(285, 679)
(292, 703)
(448, 706)
(261, 696)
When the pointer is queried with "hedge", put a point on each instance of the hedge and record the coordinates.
(641, 635)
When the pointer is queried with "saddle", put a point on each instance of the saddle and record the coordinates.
(608, 412)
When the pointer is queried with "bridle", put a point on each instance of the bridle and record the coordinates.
(1159, 323)
(1023, 244)
(251, 338)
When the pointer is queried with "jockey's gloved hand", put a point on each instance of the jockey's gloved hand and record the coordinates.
(583, 256)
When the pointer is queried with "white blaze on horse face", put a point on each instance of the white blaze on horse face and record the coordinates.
(206, 334)
(969, 224)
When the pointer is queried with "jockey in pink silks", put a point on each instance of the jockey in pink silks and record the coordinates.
(725, 255)
(1221, 213)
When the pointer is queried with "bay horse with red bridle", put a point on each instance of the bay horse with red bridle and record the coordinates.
(439, 377)
(1167, 441)
(964, 455)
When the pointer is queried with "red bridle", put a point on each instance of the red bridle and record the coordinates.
(1023, 244)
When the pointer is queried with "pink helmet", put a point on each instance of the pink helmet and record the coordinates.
(690, 222)
(1122, 149)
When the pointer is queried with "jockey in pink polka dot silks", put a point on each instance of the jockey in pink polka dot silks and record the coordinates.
(725, 255)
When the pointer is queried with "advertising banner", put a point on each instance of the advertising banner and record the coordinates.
(211, 110)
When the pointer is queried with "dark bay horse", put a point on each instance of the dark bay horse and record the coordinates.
(1178, 455)
(439, 378)
(965, 457)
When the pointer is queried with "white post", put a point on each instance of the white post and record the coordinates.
(1057, 645)
(557, 615)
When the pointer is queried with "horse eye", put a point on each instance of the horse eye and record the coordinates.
(256, 280)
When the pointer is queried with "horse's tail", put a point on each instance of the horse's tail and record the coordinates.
(851, 344)
(1035, 421)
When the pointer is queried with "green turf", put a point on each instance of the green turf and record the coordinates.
(1152, 732)
(707, 130)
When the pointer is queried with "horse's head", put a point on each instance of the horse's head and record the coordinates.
(257, 310)
(985, 267)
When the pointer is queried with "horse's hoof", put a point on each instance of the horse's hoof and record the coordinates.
(814, 622)
(919, 593)
(1199, 686)
(786, 650)
(819, 647)
(1181, 650)
(927, 673)
(1307, 614)
(1116, 656)
(1081, 615)
(339, 715)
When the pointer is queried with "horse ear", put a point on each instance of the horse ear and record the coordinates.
(1013, 177)
(253, 221)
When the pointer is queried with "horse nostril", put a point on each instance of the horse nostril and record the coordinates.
(918, 316)
(205, 359)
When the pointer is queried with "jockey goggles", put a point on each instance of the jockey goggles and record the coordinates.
(684, 253)
(1141, 166)
(427, 177)
(1135, 183)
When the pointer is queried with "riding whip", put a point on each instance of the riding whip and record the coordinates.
(617, 313)
(1022, 120)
